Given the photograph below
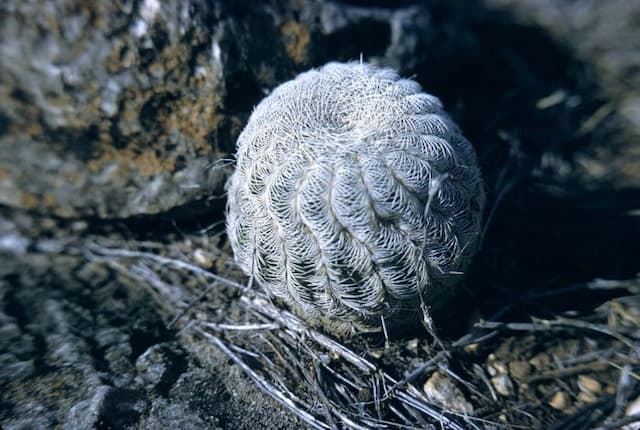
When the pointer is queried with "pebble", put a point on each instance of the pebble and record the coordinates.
(519, 369)
(202, 258)
(472, 348)
(585, 397)
(503, 385)
(633, 409)
(559, 401)
(440, 389)
(540, 361)
(589, 385)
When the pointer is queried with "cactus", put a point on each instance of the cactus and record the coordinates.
(354, 194)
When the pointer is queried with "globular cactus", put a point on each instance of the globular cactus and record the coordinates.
(354, 194)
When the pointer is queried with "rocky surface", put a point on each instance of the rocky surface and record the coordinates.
(82, 346)
(117, 120)
(603, 36)
(108, 109)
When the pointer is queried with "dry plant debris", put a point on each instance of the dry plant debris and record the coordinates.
(563, 373)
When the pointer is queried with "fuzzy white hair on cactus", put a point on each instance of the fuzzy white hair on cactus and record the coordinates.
(354, 196)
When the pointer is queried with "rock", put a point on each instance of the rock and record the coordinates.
(519, 369)
(633, 409)
(559, 401)
(160, 365)
(440, 389)
(107, 109)
(176, 414)
(586, 397)
(85, 347)
(589, 385)
(540, 361)
(503, 385)
(86, 413)
(115, 110)
(605, 36)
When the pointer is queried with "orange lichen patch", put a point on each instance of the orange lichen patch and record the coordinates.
(194, 115)
(121, 57)
(128, 160)
(156, 70)
(296, 40)
(195, 120)
(4, 174)
(49, 200)
(29, 200)
(148, 163)
(31, 128)
(25, 116)
(95, 165)
(176, 103)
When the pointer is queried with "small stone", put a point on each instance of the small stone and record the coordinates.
(589, 385)
(491, 370)
(503, 385)
(440, 389)
(202, 258)
(79, 226)
(376, 353)
(501, 367)
(540, 361)
(472, 348)
(633, 409)
(412, 346)
(519, 369)
(559, 401)
(586, 397)
(86, 414)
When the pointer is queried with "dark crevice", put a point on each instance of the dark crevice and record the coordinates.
(159, 36)
(13, 306)
(391, 4)
(243, 92)
(188, 218)
(4, 124)
(119, 410)
(538, 241)
(142, 338)
(77, 141)
(178, 365)
(100, 363)
(368, 37)
(16, 309)
(155, 109)
(21, 95)
(191, 217)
